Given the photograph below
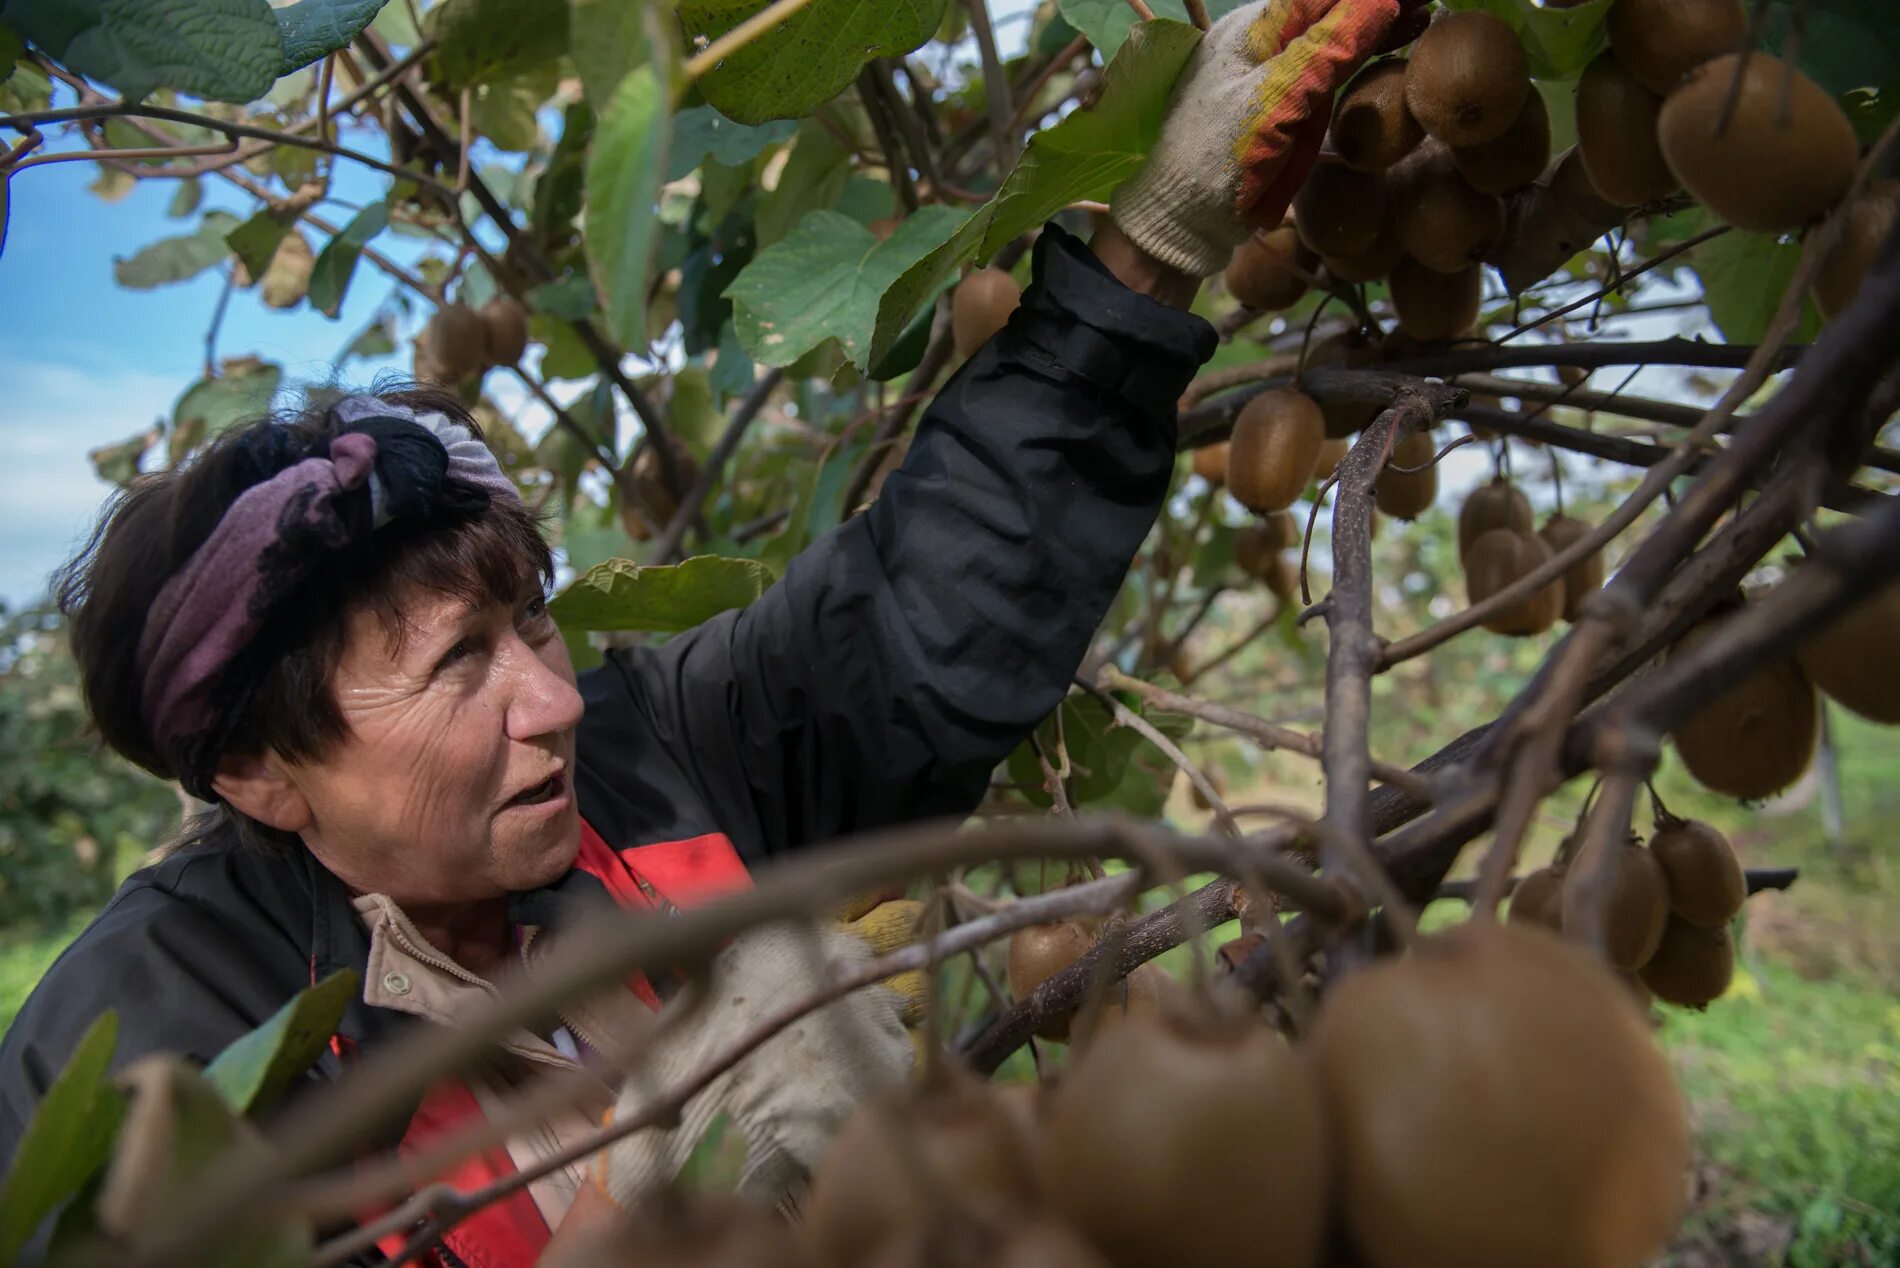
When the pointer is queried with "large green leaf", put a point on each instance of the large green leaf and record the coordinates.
(1744, 276)
(1108, 22)
(225, 50)
(701, 132)
(814, 176)
(1108, 763)
(1851, 47)
(68, 1140)
(607, 39)
(177, 259)
(1560, 42)
(481, 41)
(241, 393)
(336, 263)
(807, 59)
(626, 164)
(1085, 156)
(311, 29)
(255, 241)
(623, 595)
(825, 281)
(254, 1071)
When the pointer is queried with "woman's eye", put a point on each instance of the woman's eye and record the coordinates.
(460, 651)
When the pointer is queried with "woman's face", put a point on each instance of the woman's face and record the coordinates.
(455, 783)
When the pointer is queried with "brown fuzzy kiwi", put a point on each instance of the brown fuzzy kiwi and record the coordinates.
(1037, 954)
(690, 1230)
(1210, 463)
(1660, 41)
(1376, 260)
(1539, 899)
(1706, 883)
(1583, 578)
(1852, 659)
(1467, 78)
(1408, 494)
(1255, 551)
(1337, 211)
(1692, 966)
(457, 340)
(1192, 1146)
(1435, 305)
(1281, 529)
(1372, 129)
(1616, 135)
(505, 325)
(1446, 1054)
(1582, 207)
(1869, 219)
(1758, 736)
(1513, 159)
(649, 488)
(1273, 449)
(1767, 170)
(1625, 916)
(1352, 350)
(1269, 270)
(981, 306)
(1495, 505)
(907, 1156)
(1498, 558)
(1444, 223)
(1329, 455)
(1145, 994)
(1037, 1243)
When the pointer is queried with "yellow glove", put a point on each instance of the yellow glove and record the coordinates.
(885, 924)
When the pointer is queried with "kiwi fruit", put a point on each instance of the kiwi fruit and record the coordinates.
(287, 280)
(1337, 211)
(1512, 159)
(1281, 530)
(1192, 1145)
(1583, 578)
(1037, 954)
(1210, 463)
(1706, 884)
(1353, 350)
(688, 1230)
(1408, 494)
(458, 341)
(1692, 966)
(1269, 271)
(1430, 1068)
(1036, 1243)
(1758, 736)
(1255, 551)
(1498, 558)
(1330, 453)
(1850, 659)
(906, 1157)
(1660, 41)
(1467, 78)
(1376, 260)
(649, 488)
(1616, 135)
(1372, 129)
(1495, 505)
(1627, 922)
(1581, 206)
(1435, 305)
(1444, 223)
(1273, 449)
(1768, 170)
(981, 306)
(1143, 995)
(1868, 220)
(505, 323)
(1539, 899)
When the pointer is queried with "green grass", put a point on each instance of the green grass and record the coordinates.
(24, 957)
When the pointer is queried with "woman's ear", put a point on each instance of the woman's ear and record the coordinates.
(261, 788)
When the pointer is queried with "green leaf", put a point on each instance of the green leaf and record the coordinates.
(1107, 22)
(243, 392)
(814, 176)
(505, 114)
(177, 259)
(1744, 276)
(622, 595)
(569, 297)
(1107, 762)
(608, 39)
(625, 163)
(119, 463)
(12, 49)
(732, 369)
(825, 281)
(375, 340)
(701, 132)
(185, 198)
(256, 240)
(690, 413)
(1559, 42)
(1085, 156)
(717, 1162)
(224, 50)
(481, 41)
(311, 29)
(68, 1140)
(564, 355)
(1846, 45)
(330, 276)
(807, 59)
(253, 1071)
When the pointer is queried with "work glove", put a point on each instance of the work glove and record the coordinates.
(1246, 122)
(792, 1093)
(885, 922)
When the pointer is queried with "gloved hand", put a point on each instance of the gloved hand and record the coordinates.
(792, 1093)
(885, 922)
(1245, 125)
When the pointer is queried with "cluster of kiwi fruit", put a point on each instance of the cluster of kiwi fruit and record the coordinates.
(1498, 544)
(1389, 1135)
(980, 306)
(461, 342)
(1658, 913)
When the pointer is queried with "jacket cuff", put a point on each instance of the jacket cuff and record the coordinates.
(1084, 319)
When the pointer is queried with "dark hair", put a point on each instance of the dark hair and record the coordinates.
(279, 697)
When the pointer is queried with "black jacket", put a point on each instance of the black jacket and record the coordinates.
(897, 661)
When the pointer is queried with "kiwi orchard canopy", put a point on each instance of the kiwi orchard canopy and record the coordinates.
(1543, 335)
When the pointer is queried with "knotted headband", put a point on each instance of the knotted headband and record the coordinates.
(390, 464)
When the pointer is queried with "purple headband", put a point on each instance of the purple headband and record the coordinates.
(404, 465)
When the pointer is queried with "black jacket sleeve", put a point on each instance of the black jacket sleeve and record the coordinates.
(905, 653)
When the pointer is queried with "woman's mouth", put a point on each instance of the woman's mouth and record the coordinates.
(549, 789)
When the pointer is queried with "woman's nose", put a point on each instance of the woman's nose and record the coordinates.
(545, 699)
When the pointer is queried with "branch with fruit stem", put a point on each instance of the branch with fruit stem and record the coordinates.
(689, 505)
(995, 88)
(1623, 278)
